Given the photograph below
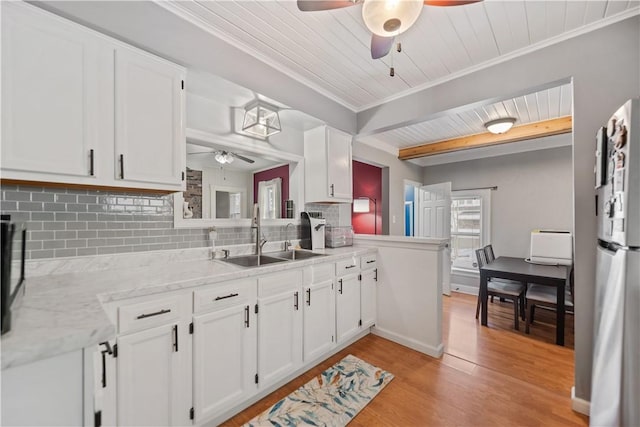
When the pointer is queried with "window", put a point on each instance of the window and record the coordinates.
(470, 219)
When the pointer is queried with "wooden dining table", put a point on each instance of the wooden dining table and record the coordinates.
(522, 271)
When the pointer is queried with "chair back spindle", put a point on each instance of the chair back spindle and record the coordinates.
(488, 250)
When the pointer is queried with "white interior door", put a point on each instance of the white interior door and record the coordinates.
(434, 220)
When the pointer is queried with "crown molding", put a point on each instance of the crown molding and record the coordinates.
(178, 9)
(380, 145)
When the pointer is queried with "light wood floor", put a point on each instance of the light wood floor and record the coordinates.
(488, 376)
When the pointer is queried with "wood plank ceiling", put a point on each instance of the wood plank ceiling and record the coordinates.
(535, 107)
(329, 50)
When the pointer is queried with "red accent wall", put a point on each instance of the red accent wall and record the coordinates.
(281, 172)
(367, 181)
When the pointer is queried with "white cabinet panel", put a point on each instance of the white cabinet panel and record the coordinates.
(53, 95)
(149, 119)
(153, 377)
(368, 297)
(224, 359)
(279, 335)
(347, 307)
(328, 164)
(319, 319)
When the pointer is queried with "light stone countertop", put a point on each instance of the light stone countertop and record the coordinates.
(63, 312)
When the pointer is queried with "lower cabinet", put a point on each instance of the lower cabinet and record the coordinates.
(152, 374)
(224, 350)
(319, 315)
(347, 307)
(368, 296)
(279, 325)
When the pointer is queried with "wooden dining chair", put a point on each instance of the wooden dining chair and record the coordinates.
(509, 290)
(488, 251)
(546, 296)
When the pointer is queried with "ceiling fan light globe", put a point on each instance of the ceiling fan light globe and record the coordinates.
(388, 18)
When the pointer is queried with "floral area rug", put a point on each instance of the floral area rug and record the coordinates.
(332, 398)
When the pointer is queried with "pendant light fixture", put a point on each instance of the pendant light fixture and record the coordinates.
(261, 119)
(500, 125)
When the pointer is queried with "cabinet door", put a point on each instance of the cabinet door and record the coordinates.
(149, 105)
(52, 96)
(279, 336)
(319, 319)
(339, 164)
(368, 297)
(153, 377)
(224, 359)
(347, 307)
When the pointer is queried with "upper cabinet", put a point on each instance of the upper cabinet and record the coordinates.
(327, 155)
(149, 105)
(76, 103)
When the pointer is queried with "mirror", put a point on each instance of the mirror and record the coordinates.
(223, 182)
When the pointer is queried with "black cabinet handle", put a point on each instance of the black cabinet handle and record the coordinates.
(104, 369)
(175, 338)
(370, 261)
(121, 166)
(91, 170)
(332, 190)
(295, 300)
(309, 296)
(225, 297)
(376, 276)
(246, 316)
(340, 288)
(157, 313)
(350, 266)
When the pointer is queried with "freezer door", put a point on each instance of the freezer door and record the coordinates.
(631, 340)
(607, 379)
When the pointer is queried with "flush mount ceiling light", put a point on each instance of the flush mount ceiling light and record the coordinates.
(261, 119)
(500, 125)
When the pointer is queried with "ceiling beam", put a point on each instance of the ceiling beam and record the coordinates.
(517, 133)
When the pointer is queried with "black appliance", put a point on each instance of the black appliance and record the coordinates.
(12, 290)
(305, 231)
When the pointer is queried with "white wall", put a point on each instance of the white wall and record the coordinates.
(599, 88)
(534, 191)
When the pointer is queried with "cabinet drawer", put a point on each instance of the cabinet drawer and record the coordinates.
(274, 284)
(224, 295)
(368, 262)
(347, 266)
(322, 272)
(143, 315)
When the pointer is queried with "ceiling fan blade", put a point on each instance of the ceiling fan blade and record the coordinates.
(238, 156)
(201, 152)
(380, 46)
(449, 2)
(315, 5)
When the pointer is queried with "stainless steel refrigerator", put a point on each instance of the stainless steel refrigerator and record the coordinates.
(615, 389)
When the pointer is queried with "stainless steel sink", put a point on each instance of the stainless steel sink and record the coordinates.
(253, 260)
(295, 255)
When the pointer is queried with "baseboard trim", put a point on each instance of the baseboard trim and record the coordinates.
(464, 289)
(578, 404)
(416, 345)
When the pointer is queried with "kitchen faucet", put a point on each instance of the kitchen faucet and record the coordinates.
(255, 225)
(287, 242)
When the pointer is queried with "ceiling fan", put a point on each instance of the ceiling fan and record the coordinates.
(384, 18)
(225, 157)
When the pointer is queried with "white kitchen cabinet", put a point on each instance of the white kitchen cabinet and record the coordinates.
(224, 348)
(55, 92)
(82, 108)
(328, 165)
(348, 321)
(153, 356)
(368, 296)
(279, 325)
(102, 387)
(319, 311)
(149, 119)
